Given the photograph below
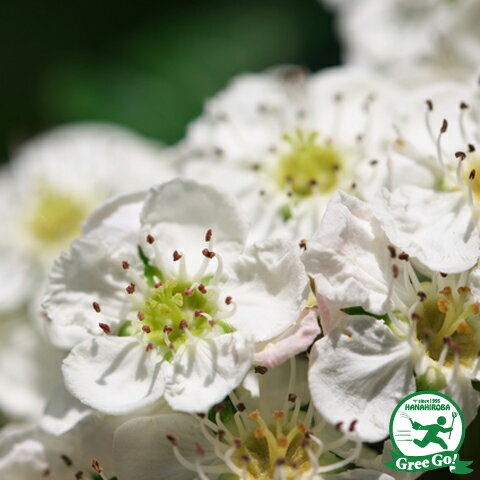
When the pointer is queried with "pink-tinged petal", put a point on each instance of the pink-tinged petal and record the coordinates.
(293, 341)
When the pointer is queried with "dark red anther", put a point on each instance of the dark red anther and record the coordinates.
(141, 316)
(150, 239)
(130, 288)
(202, 288)
(207, 253)
(208, 235)
(261, 370)
(176, 256)
(228, 300)
(66, 460)
(183, 324)
(146, 329)
(392, 250)
(96, 466)
(96, 307)
(125, 265)
(422, 296)
(444, 126)
(172, 439)
(106, 329)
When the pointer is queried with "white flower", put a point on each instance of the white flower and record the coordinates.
(410, 39)
(284, 141)
(249, 438)
(181, 302)
(432, 212)
(390, 329)
(53, 183)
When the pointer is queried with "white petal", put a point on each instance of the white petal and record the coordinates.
(293, 341)
(348, 256)
(179, 213)
(63, 412)
(142, 452)
(98, 158)
(29, 368)
(268, 289)
(205, 371)
(435, 227)
(361, 375)
(118, 217)
(90, 272)
(114, 375)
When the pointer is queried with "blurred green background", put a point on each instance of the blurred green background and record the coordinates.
(150, 66)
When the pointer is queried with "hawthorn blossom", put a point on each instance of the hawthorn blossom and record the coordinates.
(415, 41)
(268, 436)
(52, 184)
(432, 208)
(160, 297)
(283, 141)
(391, 328)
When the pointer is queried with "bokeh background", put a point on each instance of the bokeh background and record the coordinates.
(147, 65)
(150, 66)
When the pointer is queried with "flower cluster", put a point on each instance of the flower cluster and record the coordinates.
(252, 303)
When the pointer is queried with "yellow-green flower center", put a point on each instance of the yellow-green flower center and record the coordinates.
(447, 324)
(175, 311)
(309, 166)
(55, 217)
(269, 447)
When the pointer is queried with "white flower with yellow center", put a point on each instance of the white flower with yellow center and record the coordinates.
(389, 329)
(276, 435)
(168, 301)
(51, 185)
(433, 206)
(283, 141)
(409, 39)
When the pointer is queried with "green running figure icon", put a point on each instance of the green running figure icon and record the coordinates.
(432, 431)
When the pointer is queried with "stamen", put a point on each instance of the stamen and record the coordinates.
(106, 328)
(461, 120)
(96, 307)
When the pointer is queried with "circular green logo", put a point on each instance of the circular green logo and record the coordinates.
(425, 423)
